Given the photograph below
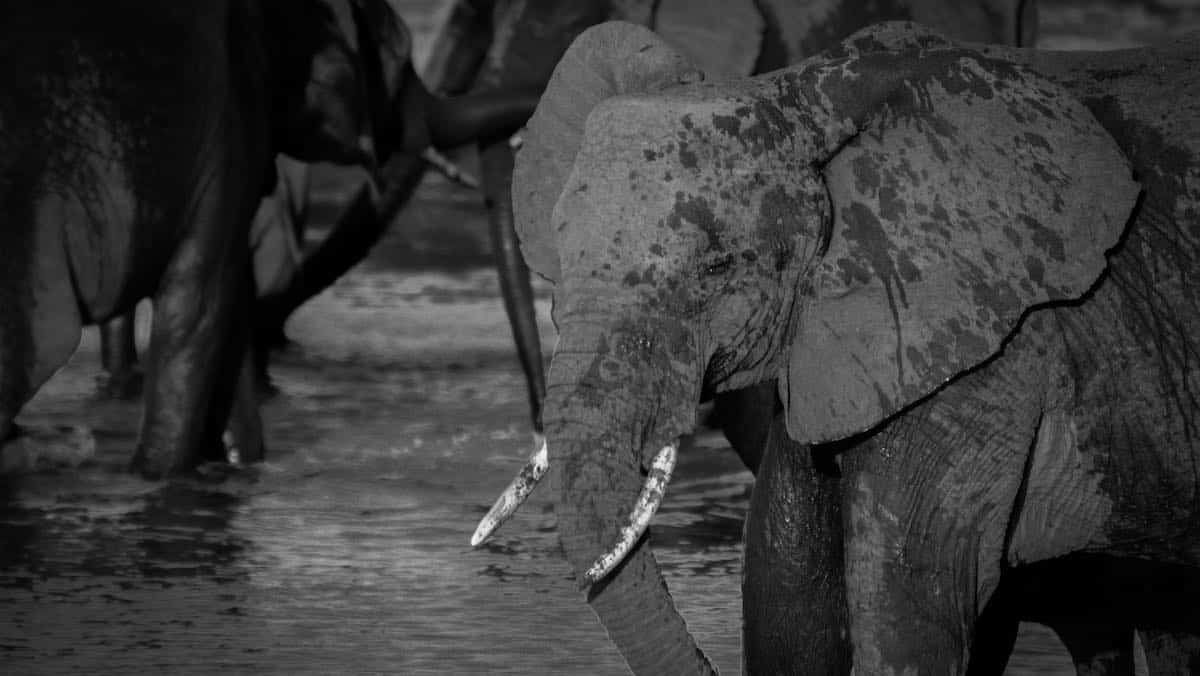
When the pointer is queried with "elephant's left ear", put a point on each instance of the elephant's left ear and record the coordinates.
(956, 209)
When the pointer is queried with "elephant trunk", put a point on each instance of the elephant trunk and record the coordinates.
(613, 397)
(478, 117)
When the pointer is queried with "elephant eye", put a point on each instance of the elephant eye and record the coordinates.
(720, 266)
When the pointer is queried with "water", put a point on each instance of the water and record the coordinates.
(401, 415)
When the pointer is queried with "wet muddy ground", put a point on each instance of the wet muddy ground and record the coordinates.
(401, 414)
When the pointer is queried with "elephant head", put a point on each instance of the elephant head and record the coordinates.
(861, 227)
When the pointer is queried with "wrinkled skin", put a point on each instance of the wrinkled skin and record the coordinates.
(285, 276)
(134, 157)
(851, 228)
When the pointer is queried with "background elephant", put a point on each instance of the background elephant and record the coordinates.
(285, 275)
(120, 186)
(847, 227)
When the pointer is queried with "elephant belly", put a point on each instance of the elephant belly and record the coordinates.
(99, 223)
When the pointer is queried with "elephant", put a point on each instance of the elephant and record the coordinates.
(285, 276)
(925, 247)
(724, 39)
(119, 185)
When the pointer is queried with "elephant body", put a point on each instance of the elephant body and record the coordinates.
(907, 240)
(138, 139)
(116, 185)
(1066, 457)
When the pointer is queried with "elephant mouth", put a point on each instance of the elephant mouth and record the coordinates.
(648, 501)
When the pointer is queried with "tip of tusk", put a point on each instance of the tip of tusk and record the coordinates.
(518, 490)
(647, 504)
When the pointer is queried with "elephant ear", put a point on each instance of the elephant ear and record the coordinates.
(970, 194)
(722, 37)
(604, 61)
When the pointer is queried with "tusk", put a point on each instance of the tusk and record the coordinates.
(517, 140)
(512, 497)
(449, 169)
(643, 510)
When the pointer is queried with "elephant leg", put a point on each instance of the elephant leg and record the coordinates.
(118, 356)
(40, 322)
(793, 584)
(496, 159)
(1170, 653)
(1098, 648)
(356, 231)
(201, 325)
(244, 433)
(904, 618)
(995, 635)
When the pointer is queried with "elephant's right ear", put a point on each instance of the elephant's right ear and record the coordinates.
(975, 190)
(604, 61)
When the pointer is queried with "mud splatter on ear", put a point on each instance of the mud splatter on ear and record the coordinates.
(604, 61)
(972, 194)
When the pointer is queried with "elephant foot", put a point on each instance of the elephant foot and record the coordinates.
(124, 385)
(242, 447)
(39, 448)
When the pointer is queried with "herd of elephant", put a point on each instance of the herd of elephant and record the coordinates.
(944, 294)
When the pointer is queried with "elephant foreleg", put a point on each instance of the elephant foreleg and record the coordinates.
(118, 356)
(197, 342)
(40, 323)
(244, 434)
(496, 159)
(793, 587)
